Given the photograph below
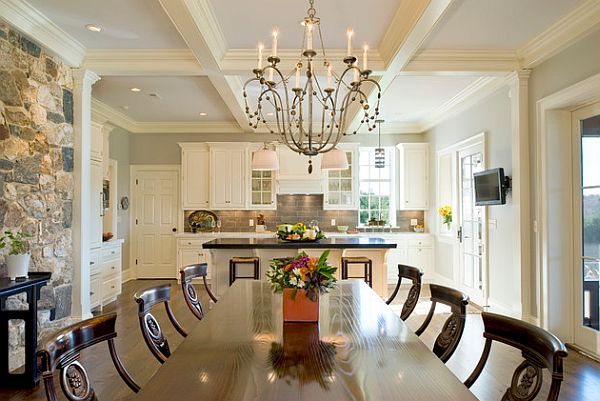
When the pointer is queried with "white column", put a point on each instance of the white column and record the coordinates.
(518, 84)
(82, 118)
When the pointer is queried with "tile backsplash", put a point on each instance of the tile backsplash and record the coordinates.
(294, 208)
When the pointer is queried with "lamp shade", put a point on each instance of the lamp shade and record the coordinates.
(265, 160)
(335, 159)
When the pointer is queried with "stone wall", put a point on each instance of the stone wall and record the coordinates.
(36, 164)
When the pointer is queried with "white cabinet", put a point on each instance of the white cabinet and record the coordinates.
(414, 176)
(395, 257)
(195, 176)
(412, 250)
(190, 252)
(341, 186)
(228, 176)
(419, 254)
(97, 142)
(262, 191)
(96, 204)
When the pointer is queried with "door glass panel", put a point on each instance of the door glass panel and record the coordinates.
(590, 213)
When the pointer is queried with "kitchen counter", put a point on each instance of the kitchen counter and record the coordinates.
(328, 234)
(356, 242)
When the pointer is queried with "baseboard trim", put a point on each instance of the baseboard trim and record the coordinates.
(501, 308)
(127, 275)
(585, 352)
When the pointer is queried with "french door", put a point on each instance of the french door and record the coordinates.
(586, 233)
(472, 223)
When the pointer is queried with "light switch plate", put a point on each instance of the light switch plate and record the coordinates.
(413, 222)
(492, 224)
(251, 222)
(333, 222)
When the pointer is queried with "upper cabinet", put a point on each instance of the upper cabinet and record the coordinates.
(97, 142)
(195, 176)
(228, 176)
(414, 176)
(341, 186)
(262, 185)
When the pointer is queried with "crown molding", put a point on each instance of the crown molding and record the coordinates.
(143, 62)
(464, 100)
(463, 62)
(39, 28)
(243, 61)
(560, 35)
(102, 113)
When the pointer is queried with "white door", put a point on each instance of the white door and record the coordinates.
(586, 206)
(472, 227)
(155, 213)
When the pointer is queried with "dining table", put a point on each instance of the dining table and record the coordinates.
(359, 349)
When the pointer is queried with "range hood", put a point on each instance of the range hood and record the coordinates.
(293, 177)
(300, 186)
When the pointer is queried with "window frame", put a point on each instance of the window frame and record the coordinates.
(393, 180)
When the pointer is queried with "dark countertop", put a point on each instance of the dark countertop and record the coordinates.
(274, 243)
(8, 287)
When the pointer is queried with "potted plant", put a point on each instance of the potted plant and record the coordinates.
(446, 213)
(17, 260)
(301, 279)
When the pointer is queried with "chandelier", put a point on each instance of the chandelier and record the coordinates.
(311, 116)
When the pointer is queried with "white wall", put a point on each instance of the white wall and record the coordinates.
(492, 116)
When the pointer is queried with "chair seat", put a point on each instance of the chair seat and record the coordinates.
(244, 259)
(356, 259)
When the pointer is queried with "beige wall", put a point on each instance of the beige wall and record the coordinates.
(163, 148)
(492, 116)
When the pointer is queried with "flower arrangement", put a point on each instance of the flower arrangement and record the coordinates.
(446, 213)
(313, 275)
(299, 232)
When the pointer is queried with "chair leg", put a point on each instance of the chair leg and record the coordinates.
(344, 270)
(231, 272)
(256, 270)
(370, 274)
(366, 273)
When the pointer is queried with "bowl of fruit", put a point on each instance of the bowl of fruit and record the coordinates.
(299, 232)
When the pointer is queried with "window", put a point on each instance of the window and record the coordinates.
(376, 196)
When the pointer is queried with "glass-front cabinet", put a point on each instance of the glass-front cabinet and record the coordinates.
(341, 185)
(262, 186)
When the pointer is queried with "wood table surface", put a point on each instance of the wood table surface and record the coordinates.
(360, 350)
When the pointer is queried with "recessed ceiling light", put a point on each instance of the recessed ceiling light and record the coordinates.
(203, 114)
(125, 107)
(93, 28)
(136, 90)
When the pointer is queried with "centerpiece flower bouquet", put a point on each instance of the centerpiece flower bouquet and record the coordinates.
(302, 279)
(299, 232)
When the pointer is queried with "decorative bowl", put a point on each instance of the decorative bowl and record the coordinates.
(342, 229)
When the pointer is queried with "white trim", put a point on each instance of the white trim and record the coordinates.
(101, 113)
(563, 33)
(462, 62)
(143, 62)
(127, 275)
(39, 28)
(502, 308)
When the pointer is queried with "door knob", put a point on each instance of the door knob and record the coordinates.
(174, 229)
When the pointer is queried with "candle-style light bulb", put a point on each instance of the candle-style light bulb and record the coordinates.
(329, 77)
(355, 71)
(260, 52)
(297, 85)
(275, 34)
(365, 50)
(349, 34)
(309, 36)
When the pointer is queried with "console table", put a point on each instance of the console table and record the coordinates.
(30, 286)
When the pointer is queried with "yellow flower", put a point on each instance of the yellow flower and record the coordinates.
(445, 211)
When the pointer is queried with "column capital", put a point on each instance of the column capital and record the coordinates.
(84, 77)
(520, 76)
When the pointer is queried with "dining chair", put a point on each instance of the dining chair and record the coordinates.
(541, 350)
(61, 351)
(413, 274)
(187, 274)
(447, 341)
(153, 335)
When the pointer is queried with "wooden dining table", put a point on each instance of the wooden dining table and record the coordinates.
(359, 350)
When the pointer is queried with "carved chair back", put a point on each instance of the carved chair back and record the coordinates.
(187, 274)
(413, 274)
(153, 334)
(62, 350)
(540, 349)
(447, 341)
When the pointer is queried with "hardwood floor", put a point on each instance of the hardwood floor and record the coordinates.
(582, 375)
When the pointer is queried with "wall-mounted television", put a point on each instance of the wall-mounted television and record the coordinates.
(490, 187)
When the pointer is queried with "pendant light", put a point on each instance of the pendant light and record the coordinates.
(379, 151)
(335, 159)
(265, 160)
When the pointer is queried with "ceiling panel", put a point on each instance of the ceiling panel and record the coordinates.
(181, 99)
(411, 98)
(496, 24)
(130, 24)
(252, 21)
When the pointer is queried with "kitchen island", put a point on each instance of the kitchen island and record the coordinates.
(221, 250)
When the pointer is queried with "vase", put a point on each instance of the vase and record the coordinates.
(17, 265)
(301, 308)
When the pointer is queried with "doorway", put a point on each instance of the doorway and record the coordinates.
(155, 211)
(586, 227)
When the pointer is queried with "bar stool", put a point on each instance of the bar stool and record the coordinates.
(238, 260)
(358, 260)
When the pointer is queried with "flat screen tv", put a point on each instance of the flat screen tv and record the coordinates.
(490, 187)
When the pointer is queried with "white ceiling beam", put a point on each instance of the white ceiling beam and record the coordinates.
(462, 62)
(412, 23)
(143, 62)
(196, 22)
(560, 35)
(39, 28)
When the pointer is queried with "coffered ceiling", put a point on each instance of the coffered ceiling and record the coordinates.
(428, 55)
